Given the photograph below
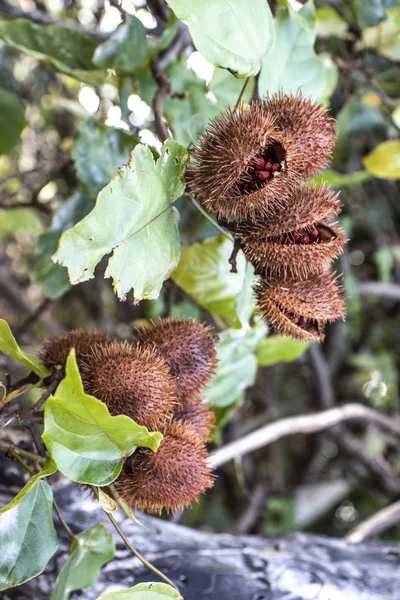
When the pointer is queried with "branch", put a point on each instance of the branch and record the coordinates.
(383, 290)
(378, 523)
(312, 423)
(181, 41)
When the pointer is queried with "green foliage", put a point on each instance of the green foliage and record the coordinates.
(64, 49)
(133, 219)
(279, 348)
(9, 346)
(125, 49)
(52, 278)
(86, 442)
(144, 591)
(338, 180)
(237, 366)
(12, 120)
(90, 550)
(245, 301)
(292, 64)
(385, 37)
(204, 273)
(27, 536)
(330, 23)
(384, 160)
(98, 152)
(227, 33)
(369, 12)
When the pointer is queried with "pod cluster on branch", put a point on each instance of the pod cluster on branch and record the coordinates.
(157, 381)
(250, 167)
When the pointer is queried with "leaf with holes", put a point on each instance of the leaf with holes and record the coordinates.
(133, 219)
(86, 442)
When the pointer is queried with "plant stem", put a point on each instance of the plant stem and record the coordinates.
(17, 457)
(9, 447)
(242, 91)
(133, 550)
(209, 218)
(67, 528)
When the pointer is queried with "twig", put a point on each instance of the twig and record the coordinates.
(31, 378)
(208, 217)
(301, 424)
(13, 452)
(32, 318)
(35, 458)
(379, 522)
(233, 256)
(57, 376)
(342, 436)
(63, 522)
(383, 290)
(132, 549)
(20, 419)
(242, 91)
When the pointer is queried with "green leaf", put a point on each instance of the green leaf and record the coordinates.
(53, 279)
(279, 348)
(133, 219)
(125, 49)
(27, 535)
(396, 116)
(12, 120)
(237, 366)
(9, 346)
(384, 38)
(86, 442)
(293, 64)
(62, 48)
(189, 114)
(245, 301)
(340, 180)
(329, 23)
(204, 273)
(144, 591)
(227, 33)
(369, 12)
(99, 151)
(384, 160)
(90, 550)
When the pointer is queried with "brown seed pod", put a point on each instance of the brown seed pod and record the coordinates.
(295, 242)
(170, 478)
(301, 308)
(55, 351)
(195, 414)
(187, 347)
(308, 125)
(246, 162)
(131, 381)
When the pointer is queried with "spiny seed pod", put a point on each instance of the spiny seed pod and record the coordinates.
(55, 351)
(301, 308)
(308, 125)
(195, 414)
(187, 347)
(170, 478)
(246, 162)
(295, 242)
(131, 381)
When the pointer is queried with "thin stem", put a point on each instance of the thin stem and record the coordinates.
(208, 217)
(8, 447)
(133, 550)
(242, 91)
(17, 457)
(65, 525)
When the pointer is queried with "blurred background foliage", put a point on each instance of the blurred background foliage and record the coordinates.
(78, 82)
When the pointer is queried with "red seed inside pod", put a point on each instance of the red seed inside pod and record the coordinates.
(260, 171)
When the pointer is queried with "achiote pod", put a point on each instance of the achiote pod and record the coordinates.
(297, 241)
(247, 161)
(298, 308)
